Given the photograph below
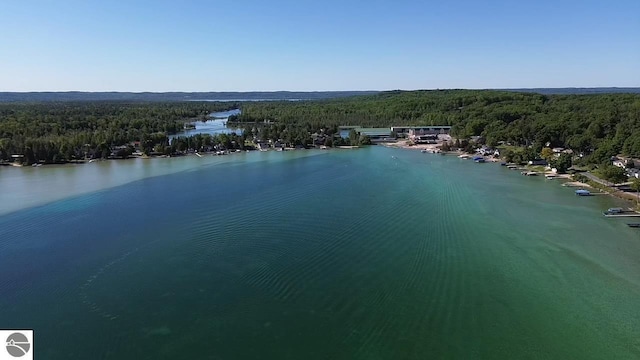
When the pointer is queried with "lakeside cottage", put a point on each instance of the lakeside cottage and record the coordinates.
(488, 151)
(262, 145)
(619, 163)
(625, 162)
(633, 173)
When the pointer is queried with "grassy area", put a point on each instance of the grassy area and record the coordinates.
(537, 168)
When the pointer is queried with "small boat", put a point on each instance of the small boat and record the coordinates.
(479, 161)
(634, 225)
(503, 164)
(424, 151)
(583, 192)
(613, 211)
(463, 156)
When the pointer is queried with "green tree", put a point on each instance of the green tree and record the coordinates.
(547, 154)
(364, 140)
(353, 137)
(562, 163)
(328, 142)
(613, 174)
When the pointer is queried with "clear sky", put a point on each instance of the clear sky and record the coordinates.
(245, 45)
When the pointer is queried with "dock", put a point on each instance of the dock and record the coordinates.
(634, 214)
(620, 212)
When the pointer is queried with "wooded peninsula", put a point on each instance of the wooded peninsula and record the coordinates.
(596, 126)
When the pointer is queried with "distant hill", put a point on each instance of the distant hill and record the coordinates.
(578, 91)
(175, 96)
(252, 96)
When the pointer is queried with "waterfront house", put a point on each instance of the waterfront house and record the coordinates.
(620, 163)
(318, 139)
(488, 151)
(262, 145)
(633, 173)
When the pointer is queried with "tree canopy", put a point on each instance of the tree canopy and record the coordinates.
(594, 126)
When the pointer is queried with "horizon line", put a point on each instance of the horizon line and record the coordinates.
(310, 91)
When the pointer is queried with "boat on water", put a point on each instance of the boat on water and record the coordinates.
(583, 192)
(424, 151)
(634, 225)
(463, 156)
(614, 211)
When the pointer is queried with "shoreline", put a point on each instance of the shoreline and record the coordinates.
(189, 154)
(569, 181)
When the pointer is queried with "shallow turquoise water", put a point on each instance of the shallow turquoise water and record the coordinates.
(366, 254)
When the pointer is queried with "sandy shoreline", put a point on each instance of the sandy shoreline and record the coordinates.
(406, 144)
(568, 179)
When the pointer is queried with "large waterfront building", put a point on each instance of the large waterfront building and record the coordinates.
(407, 131)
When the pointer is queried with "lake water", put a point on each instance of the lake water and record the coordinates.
(218, 125)
(372, 253)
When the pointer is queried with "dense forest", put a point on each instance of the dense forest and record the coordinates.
(65, 131)
(596, 126)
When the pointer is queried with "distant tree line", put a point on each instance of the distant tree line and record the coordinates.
(66, 131)
(596, 127)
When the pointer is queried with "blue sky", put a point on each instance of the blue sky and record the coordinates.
(246, 45)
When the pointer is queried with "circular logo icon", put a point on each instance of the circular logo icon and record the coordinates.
(18, 345)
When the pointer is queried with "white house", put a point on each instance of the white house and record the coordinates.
(620, 163)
